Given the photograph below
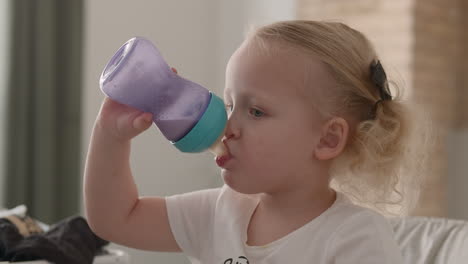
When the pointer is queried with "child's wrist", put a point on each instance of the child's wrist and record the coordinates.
(105, 135)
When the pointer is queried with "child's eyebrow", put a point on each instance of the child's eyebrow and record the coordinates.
(250, 97)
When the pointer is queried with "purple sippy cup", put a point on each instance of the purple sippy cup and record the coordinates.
(187, 114)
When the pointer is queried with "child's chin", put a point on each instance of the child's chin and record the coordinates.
(237, 186)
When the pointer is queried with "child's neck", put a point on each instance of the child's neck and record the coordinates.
(306, 204)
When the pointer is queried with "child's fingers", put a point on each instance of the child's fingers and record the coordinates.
(143, 121)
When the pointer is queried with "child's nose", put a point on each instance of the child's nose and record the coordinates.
(232, 129)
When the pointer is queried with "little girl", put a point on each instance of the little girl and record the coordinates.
(312, 127)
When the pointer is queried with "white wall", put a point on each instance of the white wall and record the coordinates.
(4, 43)
(184, 35)
(197, 38)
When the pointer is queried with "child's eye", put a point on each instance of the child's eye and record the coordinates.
(256, 113)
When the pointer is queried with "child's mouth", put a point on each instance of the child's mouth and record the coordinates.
(222, 160)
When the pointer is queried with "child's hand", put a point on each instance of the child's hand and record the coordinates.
(122, 122)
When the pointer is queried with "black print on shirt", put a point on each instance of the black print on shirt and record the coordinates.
(240, 260)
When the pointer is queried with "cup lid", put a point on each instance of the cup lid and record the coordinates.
(207, 130)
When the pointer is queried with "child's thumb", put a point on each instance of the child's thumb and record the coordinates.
(143, 122)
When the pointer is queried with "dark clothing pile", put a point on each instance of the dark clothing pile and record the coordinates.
(69, 241)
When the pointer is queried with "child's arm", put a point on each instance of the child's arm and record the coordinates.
(114, 210)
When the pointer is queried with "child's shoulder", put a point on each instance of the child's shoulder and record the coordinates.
(355, 233)
(348, 215)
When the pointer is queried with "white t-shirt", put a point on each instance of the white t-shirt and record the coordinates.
(210, 226)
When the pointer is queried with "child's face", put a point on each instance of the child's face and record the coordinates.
(272, 128)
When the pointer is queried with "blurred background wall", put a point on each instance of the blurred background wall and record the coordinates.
(422, 45)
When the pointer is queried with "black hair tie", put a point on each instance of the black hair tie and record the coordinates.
(379, 79)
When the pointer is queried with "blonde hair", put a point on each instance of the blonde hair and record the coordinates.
(380, 166)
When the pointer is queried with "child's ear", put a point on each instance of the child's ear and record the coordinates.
(333, 139)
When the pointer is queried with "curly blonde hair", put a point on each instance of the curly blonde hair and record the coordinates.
(383, 163)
